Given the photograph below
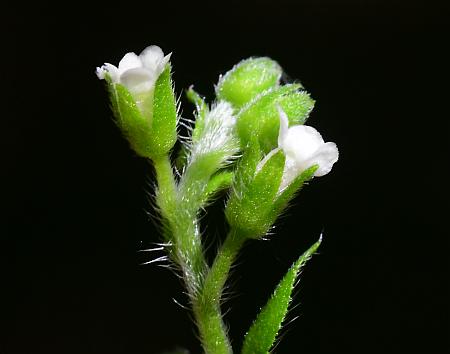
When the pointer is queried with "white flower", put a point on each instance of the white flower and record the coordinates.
(303, 147)
(137, 73)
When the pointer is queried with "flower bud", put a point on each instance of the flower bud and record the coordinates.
(143, 100)
(247, 79)
(255, 190)
(260, 117)
(306, 156)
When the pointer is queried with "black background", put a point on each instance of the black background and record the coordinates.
(74, 197)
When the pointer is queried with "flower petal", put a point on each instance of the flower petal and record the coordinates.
(138, 80)
(151, 57)
(291, 170)
(301, 142)
(129, 61)
(110, 69)
(326, 156)
(162, 64)
(284, 126)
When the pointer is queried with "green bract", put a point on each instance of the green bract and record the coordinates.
(260, 117)
(248, 79)
(150, 130)
(262, 334)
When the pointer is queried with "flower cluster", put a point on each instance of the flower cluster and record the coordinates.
(252, 142)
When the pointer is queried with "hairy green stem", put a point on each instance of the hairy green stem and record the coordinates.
(207, 310)
(166, 193)
(179, 211)
(180, 227)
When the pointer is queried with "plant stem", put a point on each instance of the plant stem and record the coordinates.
(207, 310)
(182, 230)
(180, 227)
(166, 194)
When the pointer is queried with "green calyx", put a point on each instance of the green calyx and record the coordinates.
(148, 120)
(255, 190)
(247, 79)
(260, 117)
(256, 200)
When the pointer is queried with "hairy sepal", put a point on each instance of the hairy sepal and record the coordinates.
(246, 167)
(136, 128)
(260, 117)
(164, 121)
(286, 195)
(219, 182)
(249, 210)
(247, 79)
(202, 110)
(196, 131)
(152, 133)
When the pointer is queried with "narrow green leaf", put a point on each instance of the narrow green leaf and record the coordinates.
(263, 332)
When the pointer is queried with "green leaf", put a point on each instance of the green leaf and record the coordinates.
(261, 117)
(249, 212)
(247, 79)
(262, 334)
(164, 121)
